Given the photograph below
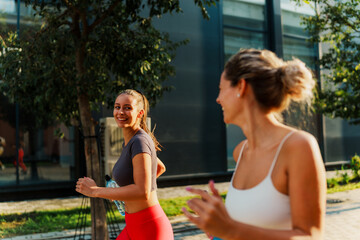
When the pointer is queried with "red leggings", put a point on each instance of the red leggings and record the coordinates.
(148, 224)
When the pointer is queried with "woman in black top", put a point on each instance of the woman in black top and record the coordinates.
(135, 171)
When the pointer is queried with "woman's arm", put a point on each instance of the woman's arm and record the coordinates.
(160, 168)
(307, 191)
(140, 190)
(307, 185)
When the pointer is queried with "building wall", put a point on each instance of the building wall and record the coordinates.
(188, 119)
(189, 123)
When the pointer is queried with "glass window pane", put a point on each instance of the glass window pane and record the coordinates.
(43, 156)
(294, 39)
(245, 14)
(236, 39)
(341, 140)
(291, 17)
(301, 49)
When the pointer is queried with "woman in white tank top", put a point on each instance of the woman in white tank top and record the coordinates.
(278, 189)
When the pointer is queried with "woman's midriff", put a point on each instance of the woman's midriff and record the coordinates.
(138, 205)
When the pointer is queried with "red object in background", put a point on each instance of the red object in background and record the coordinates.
(21, 160)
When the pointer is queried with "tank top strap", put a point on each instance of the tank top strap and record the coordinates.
(241, 152)
(278, 151)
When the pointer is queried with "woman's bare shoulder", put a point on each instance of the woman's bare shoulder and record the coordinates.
(301, 140)
(302, 149)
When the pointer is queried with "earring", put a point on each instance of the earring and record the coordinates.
(238, 95)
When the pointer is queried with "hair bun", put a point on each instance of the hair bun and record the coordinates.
(297, 80)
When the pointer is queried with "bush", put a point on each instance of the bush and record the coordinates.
(345, 178)
(355, 166)
(331, 182)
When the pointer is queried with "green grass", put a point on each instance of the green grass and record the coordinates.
(342, 182)
(39, 222)
(342, 188)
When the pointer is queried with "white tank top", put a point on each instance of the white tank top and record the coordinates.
(263, 205)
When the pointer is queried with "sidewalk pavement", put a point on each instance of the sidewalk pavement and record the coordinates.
(341, 222)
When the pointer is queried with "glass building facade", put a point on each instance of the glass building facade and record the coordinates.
(197, 144)
(46, 162)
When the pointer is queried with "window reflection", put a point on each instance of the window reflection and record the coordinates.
(44, 157)
(235, 39)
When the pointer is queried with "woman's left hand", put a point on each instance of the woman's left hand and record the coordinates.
(86, 186)
(212, 216)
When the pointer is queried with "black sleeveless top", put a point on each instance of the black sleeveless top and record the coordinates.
(122, 171)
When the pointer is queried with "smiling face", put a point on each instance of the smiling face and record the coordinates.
(126, 111)
(228, 99)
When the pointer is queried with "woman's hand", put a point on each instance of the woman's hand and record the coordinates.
(86, 186)
(212, 216)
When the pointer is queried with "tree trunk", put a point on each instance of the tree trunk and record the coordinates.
(98, 212)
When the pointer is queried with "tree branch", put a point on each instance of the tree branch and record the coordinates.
(346, 22)
(58, 25)
(104, 15)
(85, 24)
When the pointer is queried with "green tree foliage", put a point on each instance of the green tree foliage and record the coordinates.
(336, 24)
(95, 48)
